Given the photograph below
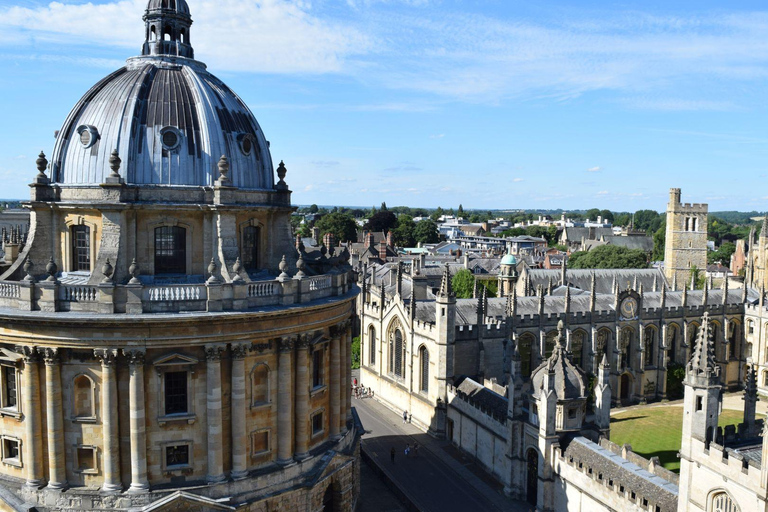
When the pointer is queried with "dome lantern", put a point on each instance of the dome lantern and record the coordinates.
(167, 29)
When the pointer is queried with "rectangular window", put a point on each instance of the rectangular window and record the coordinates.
(176, 393)
(251, 248)
(170, 250)
(81, 248)
(11, 452)
(317, 368)
(176, 456)
(699, 404)
(86, 459)
(10, 396)
(260, 442)
(317, 423)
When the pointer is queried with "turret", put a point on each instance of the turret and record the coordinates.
(603, 398)
(750, 399)
(167, 29)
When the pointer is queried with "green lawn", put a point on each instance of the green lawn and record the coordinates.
(657, 431)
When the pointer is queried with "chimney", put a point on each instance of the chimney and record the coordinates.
(328, 240)
(390, 241)
(383, 251)
(369, 239)
(316, 234)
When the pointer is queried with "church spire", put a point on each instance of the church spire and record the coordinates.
(167, 29)
(703, 359)
(446, 287)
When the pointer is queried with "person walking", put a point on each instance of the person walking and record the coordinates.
(405, 417)
(392, 454)
(415, 449)
(407, 449)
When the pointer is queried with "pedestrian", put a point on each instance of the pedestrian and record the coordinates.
(354, 381)
(415, 449)
(405, 417)
(407, 449)
(392, 454)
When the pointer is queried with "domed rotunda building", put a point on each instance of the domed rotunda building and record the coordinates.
(164, 344)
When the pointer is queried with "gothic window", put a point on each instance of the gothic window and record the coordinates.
(10, 397)
(525, 347)
(81, 248)
(577, 347)
(424, 360)
(549, 344)
(260, 385)
(176, 398)
(650, 342)
(723, 503)
(750, 327)
(694, 332)
(672, 341)
(603, 336)
(532, 477)
(399, 348)
(372, 345)
(317, 367)
(250, 252)
(626, 347)
(84, 396)
(170, 250)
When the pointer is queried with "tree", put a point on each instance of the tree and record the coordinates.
(460, 211)
(383, 221)
(313, 209)
(383, 206)
(609, 256)
(340, 225)
(607, 215)
(356, 352)
(463, 283)
(437, 214)
(403, 232)
(722, 254)
(592, 214)
(426, 232)
(659, 242)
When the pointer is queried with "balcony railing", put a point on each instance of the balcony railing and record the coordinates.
(155, 298)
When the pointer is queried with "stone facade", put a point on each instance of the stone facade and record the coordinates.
(686, 238)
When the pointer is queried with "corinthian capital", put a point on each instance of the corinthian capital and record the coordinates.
(213, 352)
(108, 356)
(135, 356)
(51, 355)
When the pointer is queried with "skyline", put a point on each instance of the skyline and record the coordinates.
(488, 105)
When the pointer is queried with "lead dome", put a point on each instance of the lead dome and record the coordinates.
(168, 117)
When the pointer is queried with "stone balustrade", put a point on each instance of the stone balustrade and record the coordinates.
(108, 298)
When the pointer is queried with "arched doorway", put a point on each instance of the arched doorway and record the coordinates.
(625, 386)
(328, 500)
(532, 483)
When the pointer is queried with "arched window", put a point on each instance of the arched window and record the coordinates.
(83, 405)
(577, 347)
(650, 343)
(549, 343)
(693, 334)
(625, 344)
(723, 503)
(152, 34)
(170, 250)
(424, 360)
(525, 347)
(260, 385)
(183, 36)
(372, 345)
(81, 248)
(250, 252)
(672, 341)
(167, 34)
(398, 353)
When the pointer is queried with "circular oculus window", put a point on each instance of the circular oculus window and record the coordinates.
(88, 135)
(170, 138)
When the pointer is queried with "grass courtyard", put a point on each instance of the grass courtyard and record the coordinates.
(657, 431)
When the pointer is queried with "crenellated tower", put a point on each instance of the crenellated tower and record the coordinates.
(686, 238)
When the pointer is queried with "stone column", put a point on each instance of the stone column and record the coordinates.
(333, 390)
(33, 424)
(213, 413)
(284, 393)
(343, 384)
(348, 382)
(57, 466)
(138, 427)
(240, 448)
(109, 421)
(302, 398)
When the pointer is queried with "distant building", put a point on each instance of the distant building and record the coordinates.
(686, 238)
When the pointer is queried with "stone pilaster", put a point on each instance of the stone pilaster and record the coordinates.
(139, 482)
(302, 397)
(333, 390)
(284, 394)
(109, 420)
(347, 416)
(33, 424)
(343, 385)
(240, 445)
(57, 467)
(213, 410)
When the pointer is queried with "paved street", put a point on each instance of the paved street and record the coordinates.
(434, 481)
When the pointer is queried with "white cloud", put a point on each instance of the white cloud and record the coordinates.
(518, 180)
(603, 193)
(277, 36)
(595, 169)
(438, 136)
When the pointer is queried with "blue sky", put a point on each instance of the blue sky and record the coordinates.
(492, 104)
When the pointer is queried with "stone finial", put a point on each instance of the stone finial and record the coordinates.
(223, 169)
(281, 172)
(300, 267)
(134, 271)
(52, 269)
(42, 165)
(212, 272)
(236, 268)
(107, 270)
(283, 266)
(114, 164)
(28, 265)
(446, 285)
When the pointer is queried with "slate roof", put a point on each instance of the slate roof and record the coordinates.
(644, 243)
(575, 234)
(613, 467)
(579, 278)
(480, 395)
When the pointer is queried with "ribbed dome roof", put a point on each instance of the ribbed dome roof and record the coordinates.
(569, 383)
(169, 119)
(509, 259)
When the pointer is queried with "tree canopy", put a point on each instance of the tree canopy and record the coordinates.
(426, 232)
(403, 232)
(609, 256)
(463, 283)
(341, 225)
(383, 221)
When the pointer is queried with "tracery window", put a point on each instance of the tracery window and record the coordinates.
(81, 248)
(723, 503)
(650, 341)
(525, 347)
(372, 345)
(577, 347)
(398, 353)
(424, 360)
(170, 250)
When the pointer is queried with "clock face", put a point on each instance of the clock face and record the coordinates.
(629, 307)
